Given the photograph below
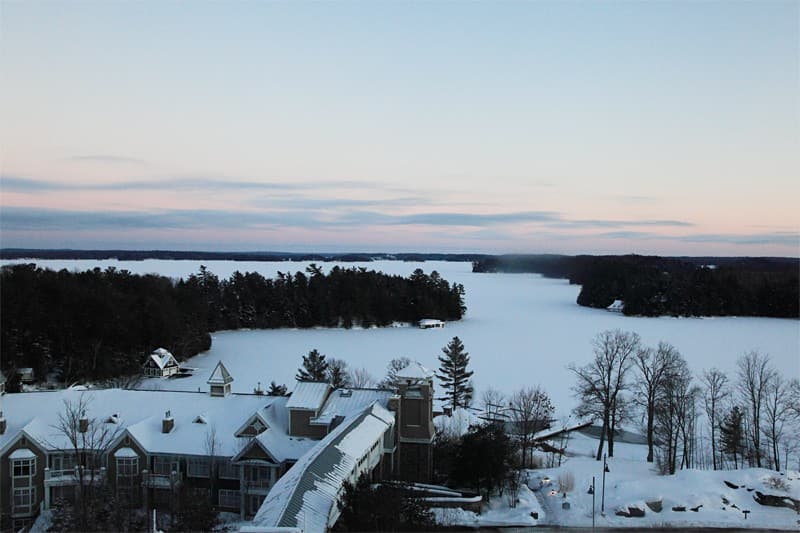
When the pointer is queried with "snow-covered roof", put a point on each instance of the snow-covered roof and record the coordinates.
(162, 357)
(414, 371)
(22, 453)
(308, 395)
(125, 452)
(141, 414)
(345, 402)
(307, 494)
(617, 305)
(220, 375)
(430, 322)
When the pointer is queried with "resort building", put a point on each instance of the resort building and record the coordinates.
(247, 453)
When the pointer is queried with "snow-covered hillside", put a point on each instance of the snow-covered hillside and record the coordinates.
(690, 498)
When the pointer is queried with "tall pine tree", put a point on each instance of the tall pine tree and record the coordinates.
(453, 374)
(314, 368)
(731, 434)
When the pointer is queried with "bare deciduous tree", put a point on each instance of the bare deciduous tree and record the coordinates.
(755, 374)
(494, 404)
(395, 365)
(212, 445)
(86, 441)
(716, 391)
(653, 367)
(360, 378)
(601, 381)
(338, 374)
(676, 412)
(776, 411)
(530, 410)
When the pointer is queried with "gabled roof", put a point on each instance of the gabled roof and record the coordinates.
(308, 492)
(161, 357)
(220, 375)
(308, 395)
(414, 371)
(256, 418)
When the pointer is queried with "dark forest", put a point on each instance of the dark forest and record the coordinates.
(101, 324)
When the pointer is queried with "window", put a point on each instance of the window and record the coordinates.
(127, 466)
(229, 498)
(228, 470)
(198, 466)
(164, 465)
(62, 461)
(24, 500)
(24, 467)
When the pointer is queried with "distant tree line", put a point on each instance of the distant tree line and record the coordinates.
(185, 255)
(101, 324)
(686, 286)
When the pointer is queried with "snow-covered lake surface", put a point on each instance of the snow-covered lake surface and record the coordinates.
(520, 329)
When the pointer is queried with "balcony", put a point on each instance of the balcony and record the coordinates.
(258, 485)
(161, 481)
(71, 476)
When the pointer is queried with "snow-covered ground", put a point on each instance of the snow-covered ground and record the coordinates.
(520, 329)
(632, 482)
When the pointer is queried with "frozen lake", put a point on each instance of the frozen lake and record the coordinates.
(520, 329)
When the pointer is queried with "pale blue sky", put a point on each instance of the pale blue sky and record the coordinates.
(649, 127)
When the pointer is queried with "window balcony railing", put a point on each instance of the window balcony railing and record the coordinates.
(261, 483)
(73, 475)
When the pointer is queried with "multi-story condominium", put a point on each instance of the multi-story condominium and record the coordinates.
(234, 448)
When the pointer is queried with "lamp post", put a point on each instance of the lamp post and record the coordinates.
(591, 489)
(603, 497)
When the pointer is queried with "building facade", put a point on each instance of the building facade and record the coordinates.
(231, 448)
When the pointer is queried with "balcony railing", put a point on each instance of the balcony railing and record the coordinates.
(73, 475)
(262, 483)
(162, 481)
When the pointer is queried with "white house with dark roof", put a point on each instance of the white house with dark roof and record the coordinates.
(160, 364)
(431, 323)
(162, 442)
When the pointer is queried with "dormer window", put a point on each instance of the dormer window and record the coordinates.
(251, 428)
(200, 420)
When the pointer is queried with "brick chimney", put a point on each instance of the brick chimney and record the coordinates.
(2, 423)
(83, 423)
(168, 423)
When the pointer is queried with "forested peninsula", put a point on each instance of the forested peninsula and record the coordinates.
(101, 324)
(672, 286)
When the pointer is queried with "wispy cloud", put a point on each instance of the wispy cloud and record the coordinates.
(190, 183)
(775, 237)
(483, 226)
(601, 223)
(449, 219)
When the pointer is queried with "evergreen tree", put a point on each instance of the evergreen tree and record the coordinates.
(338, 375)
(314, 368)
(483, 458)
(276, 390)
(382, 507)
(453, 374)
(731, 434)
